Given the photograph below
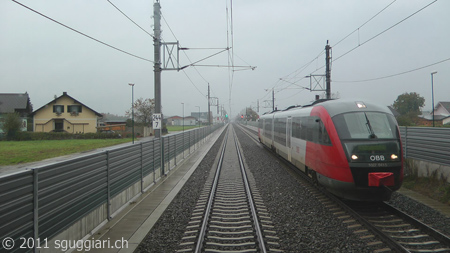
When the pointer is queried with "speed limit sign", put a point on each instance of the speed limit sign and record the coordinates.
(156, 119)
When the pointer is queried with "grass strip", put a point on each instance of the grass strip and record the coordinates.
(16, 152)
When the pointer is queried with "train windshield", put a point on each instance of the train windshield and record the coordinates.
(366, 125)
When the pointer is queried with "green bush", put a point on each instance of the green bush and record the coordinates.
(11, 125)
(34, 136)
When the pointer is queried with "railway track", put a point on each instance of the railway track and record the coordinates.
(382, 226)
(230, 215)
(401, 231)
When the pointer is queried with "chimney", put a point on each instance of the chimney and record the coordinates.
(65, 93)
(317, 97)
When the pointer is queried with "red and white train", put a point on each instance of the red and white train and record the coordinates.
(352, 148)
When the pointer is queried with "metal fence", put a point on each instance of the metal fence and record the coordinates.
(431, 144)
(42, 202)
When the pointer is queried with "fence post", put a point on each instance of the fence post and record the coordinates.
(108, 187)
(175, 150)
(154, 176)
(168, 153)
(162, 156)
(36, 209)
(142, 169)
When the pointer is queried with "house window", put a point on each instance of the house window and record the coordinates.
(74, 109)
(58, 109)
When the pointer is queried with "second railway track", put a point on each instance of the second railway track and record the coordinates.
(230, 215)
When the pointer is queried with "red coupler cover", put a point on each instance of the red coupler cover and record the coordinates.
(381, 178)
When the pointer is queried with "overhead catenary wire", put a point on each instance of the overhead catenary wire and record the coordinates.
(173, 34)
(393, 75)
(385, 30)
(297, 72)
(281, 81)
(303, 67)
(117, 8)
(190, 80)
(229, 20)
(193, 63)
(81, 33)
(375, 36)
(278, 83)
(370, 19)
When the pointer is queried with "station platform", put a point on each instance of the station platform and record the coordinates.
(136, 220)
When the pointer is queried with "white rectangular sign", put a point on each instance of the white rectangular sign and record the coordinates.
(156, 119)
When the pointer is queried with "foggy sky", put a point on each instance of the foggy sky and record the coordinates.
(45, 59)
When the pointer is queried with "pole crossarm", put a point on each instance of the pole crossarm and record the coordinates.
(268, 104)
(226, 66)
(317, 83)
(171, 58)
(193, 64)
(214, 101)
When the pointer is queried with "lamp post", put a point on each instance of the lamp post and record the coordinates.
(198, 115)
(183, 116)
(432, 94)
(132, 110)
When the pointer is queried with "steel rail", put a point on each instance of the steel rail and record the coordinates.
(442, 238)
(257, 227)
(202, 232)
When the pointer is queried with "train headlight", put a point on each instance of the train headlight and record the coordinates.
(360, 105)
(394, 156)
(354, 157)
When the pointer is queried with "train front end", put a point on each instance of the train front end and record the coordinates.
(371, 141)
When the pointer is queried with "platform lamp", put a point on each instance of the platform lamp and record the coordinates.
(432, 94)
(132, 110)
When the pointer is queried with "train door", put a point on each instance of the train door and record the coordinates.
(288, 137)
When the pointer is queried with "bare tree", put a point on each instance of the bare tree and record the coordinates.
(143, 110)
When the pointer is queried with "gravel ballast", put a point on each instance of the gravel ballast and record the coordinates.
(302, 223)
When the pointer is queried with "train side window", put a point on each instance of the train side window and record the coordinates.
(268, 128)
(280, 131)
(310, 129)
(296, 128)
(275, 130)
(283, 126)
(303, 128)
(324, 138)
